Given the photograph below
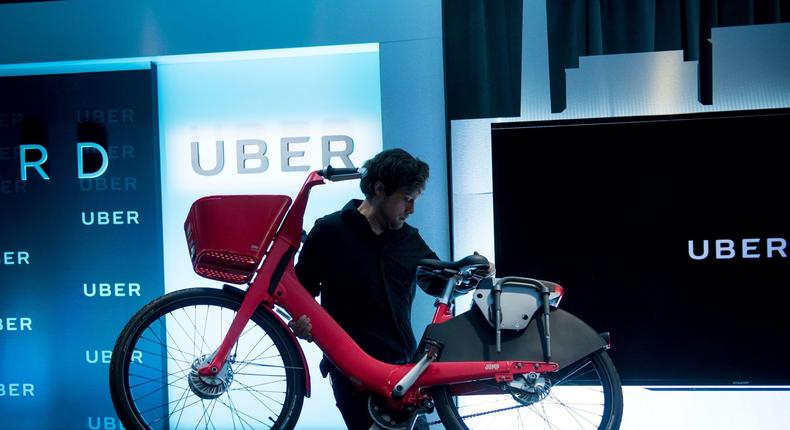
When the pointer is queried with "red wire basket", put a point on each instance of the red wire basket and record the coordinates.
(228, 236)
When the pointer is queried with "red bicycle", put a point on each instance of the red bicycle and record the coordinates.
(224, 358)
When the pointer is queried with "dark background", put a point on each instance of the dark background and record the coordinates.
(606, 208)
(482, 43)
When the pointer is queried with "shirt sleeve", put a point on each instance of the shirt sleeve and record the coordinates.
(311, 263)
(432, 255)
(428, 251)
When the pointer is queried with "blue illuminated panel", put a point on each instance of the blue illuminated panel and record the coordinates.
(77, 256)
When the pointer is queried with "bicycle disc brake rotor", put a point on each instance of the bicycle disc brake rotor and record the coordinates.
(530, 389)
(210, 387)
(387, 418)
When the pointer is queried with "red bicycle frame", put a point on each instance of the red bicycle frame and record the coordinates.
(275, 282)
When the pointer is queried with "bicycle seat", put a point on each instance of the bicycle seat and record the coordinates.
(471, 260)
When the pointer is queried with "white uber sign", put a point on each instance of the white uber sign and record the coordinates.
(257, 123)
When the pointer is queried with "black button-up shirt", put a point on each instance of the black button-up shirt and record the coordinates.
(366, 281)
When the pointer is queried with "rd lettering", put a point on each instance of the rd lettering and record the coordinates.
(33, 156)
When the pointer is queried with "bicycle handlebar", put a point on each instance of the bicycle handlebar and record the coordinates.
(342, 174)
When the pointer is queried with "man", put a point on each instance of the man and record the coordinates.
(362, 260)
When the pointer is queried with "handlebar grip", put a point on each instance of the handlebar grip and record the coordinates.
(341, 174)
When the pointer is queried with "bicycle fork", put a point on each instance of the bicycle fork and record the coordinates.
(281, 252)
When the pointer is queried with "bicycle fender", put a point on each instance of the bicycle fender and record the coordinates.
(469, 337)
(294, 342)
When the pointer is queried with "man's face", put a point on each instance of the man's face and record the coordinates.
(396, 207)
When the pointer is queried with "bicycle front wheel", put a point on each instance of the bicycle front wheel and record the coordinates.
(153, 378)
(585, 395)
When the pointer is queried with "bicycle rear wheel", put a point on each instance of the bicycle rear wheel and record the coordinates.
(585, 395)
(154, 385)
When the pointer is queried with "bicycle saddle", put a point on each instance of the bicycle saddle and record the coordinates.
(471, 260)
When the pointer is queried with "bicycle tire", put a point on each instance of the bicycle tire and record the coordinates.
(150, 367)
(567, 404)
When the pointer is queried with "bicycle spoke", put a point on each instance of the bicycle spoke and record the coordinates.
(168, 413)
(172, 339)
(257, 374)
(576, 400)
(138, 398)
(205, 325)
(576, 412)
(576, 370)
(253, 418)
(158, 370)
(250, 363)
(211, 414)
(265, 383)
(521, 419)
(546, 422)
(262, 393)
(251, 392)
(167, 350)
(194, 330)
(167, 347)
(203, 406)
(184, 396)
(243, 360)
(158, 360)
(231, 410)
(236, 412)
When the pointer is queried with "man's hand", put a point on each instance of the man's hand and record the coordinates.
(491, 266)
(302, 328)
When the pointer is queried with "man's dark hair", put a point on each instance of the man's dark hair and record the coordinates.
(395, 168)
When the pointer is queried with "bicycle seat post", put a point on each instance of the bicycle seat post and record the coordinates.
(449, 287)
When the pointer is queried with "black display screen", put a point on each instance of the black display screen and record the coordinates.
(669, 232)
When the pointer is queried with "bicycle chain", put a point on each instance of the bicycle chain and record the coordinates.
(481, 414)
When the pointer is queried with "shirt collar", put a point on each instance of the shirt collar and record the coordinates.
(351, 214)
